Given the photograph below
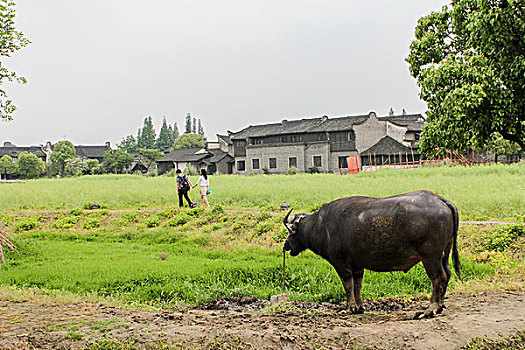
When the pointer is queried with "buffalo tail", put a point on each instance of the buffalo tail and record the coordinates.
(455, 255)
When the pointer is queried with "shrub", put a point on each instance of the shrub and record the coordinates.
(152, 221)
(313, 170)
(238, 225)
(177, 220)
(217, 209)
(76, 212)
(26, 224)
(130, 217)
(66, 222)
(266, 171)
(291, 171)
(280, 235)
(168, 212)
(195, 211)
(263, 227)
(91, 223)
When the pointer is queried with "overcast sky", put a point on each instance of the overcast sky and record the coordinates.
(97, 68)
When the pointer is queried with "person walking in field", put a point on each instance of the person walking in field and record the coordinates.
(205, 187)
(183, 187)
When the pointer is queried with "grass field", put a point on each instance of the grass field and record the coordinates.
(159, 255)
(482, 192)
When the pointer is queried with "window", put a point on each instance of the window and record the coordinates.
(416, 136)
(343, 162)
(273, 163)
(241, 165)
(255, 163)
(317, 161)
(341, 136)
(292, 162)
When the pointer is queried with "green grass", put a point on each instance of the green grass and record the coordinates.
(193, 263)
(481, 192)
(170, 256)
(134, 272)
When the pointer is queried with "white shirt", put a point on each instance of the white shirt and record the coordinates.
(204, 182)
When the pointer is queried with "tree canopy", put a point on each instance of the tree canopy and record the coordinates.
(11, 40)
(62, 152)
(116, 161)
(29, 165)
(469, 61)
(189, 141)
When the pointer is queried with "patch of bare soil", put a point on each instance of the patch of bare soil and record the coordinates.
(244, 323)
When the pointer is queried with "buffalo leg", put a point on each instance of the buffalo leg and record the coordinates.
(438, 277)
(446, 268)
(348, 284)
(358, 284)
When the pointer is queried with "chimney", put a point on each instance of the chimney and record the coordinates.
(108, 144)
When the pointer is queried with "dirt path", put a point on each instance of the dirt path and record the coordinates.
(42, 325)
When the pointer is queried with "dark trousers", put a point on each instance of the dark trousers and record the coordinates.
(185, 194)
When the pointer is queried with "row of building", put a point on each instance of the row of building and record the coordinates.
(322, 143)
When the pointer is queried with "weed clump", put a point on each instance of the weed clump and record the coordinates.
(152, 222)
(26, 224)
(177, 220)
(66, 222)
(91, 223)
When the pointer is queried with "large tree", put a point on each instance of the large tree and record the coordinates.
(7, 166)
(30, 166)
(116, 161)
(150, 156)
(62, 152)
(187, 128)
(469, 61)
(146, 138)
(11, 40)
(164, 141)
(128, 144)
(189, 141)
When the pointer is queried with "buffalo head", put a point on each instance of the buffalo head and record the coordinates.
(293, 243)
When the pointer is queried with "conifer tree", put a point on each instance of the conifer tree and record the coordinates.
(148, 134)
(194, 127)
(175, 134)
(188, 124)
(163, 142)
(200, 130)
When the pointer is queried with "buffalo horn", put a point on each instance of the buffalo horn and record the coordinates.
(285, 220)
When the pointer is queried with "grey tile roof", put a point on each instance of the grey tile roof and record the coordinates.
(413, 122)
(387, 145)
(14, 151)
(217, 155)
(322, 124)
(184, 155)
(300, 126)
(226, 139)
(91, 151)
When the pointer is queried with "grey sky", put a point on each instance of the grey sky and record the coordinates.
(96, 68)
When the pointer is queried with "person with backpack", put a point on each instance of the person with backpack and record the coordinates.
(205, 187)
(183, 187)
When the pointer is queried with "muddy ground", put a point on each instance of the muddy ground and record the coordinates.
(246, 323)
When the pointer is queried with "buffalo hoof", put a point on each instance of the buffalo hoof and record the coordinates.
(424, 314)
(356, 310)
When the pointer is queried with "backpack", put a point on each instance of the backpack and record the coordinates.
(184, 185)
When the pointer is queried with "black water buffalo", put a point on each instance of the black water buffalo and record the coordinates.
(381, 234)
